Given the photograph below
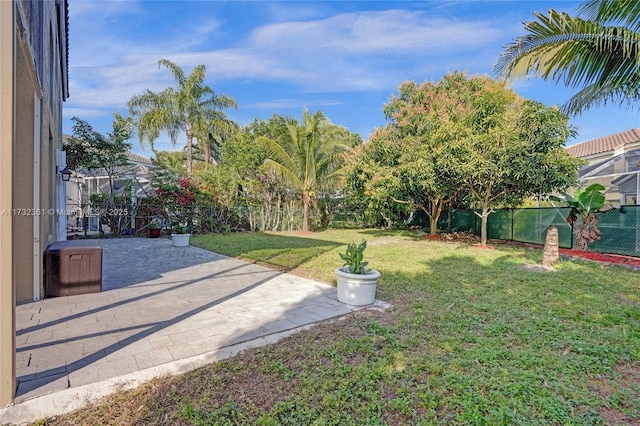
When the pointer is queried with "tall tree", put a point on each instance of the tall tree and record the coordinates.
(89, 149)
(373, 181)
(598, 54)
(307, 156)
(510, 148)
(220, 129)
(413, 152)
(467, 135)
(191, 107)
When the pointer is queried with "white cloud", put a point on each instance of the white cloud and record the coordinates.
(116, 45)
(279, 104)
(346, 52)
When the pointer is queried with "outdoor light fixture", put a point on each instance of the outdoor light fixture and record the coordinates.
(66, 173)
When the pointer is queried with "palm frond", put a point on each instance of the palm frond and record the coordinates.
(624, 12)
(177, 72)
(593, 96)
(574, 51)
(287, 174)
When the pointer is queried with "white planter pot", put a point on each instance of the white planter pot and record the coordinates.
(357, 289)
(180, 240)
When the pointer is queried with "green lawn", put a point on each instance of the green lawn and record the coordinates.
(471, 338)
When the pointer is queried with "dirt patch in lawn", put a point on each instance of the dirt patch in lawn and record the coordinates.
(620, 407)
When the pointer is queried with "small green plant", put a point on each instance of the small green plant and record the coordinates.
(353, 258)
(180, 228)
(154, 224)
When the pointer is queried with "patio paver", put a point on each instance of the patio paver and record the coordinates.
(159, 305)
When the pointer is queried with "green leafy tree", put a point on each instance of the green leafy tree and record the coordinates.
(597, 52)
(90, 150)
(191, 107)
(248, 187)
(510, 149)
(374, 180)
(308, 156)
(465, 135)
(415, 163)
(173, 162)
(221, 129)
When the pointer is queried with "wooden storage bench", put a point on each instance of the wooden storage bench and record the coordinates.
(73, 267)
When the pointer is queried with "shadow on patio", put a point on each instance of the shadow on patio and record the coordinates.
(161, 306)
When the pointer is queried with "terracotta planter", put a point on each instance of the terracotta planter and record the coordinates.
(155, 233)
(180, 240)
(357, 289)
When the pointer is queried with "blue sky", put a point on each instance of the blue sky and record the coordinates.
(345, 58)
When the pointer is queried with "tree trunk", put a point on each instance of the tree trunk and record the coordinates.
(587, 232)
(551, 253)
(483, 228)
(207, 154)
(486, 211)
(483, 225)
(305, 216)
(433, 211)
(306, 201)
(434, 225)
(434, 216)
(189, 151)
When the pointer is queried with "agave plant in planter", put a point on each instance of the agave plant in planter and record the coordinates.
(180, 235)
(356, 284)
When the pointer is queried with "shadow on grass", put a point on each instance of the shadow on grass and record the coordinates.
(284, 252)
(464, 328)
(503, 283)
(387, 233)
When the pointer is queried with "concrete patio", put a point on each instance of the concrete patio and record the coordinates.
(163, 310)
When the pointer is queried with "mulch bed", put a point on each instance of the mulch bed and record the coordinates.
(610, 259)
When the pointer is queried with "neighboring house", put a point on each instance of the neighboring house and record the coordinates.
(613, 161)
(33, 85)
(135, 177)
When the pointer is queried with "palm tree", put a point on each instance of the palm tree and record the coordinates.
(599, 54)
(308, 156)
(189, 107)
(220, 129)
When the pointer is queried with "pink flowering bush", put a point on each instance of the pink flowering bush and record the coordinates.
(174, 203)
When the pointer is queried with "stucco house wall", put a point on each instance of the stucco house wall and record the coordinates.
(33, 85)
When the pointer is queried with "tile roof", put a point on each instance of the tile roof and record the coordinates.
(605, 143)
(137, 158)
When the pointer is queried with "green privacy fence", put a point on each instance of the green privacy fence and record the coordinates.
(620, 231)
(620, 228)
(522, 225)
